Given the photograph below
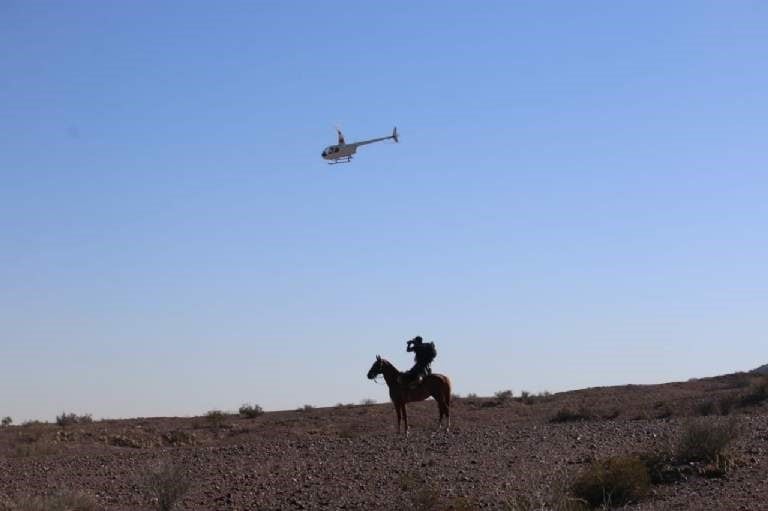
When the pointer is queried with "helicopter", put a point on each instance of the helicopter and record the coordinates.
(342, 152)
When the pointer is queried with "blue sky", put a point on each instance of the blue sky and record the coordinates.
(578, 198)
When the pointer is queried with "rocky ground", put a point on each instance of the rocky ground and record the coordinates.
(501, 453)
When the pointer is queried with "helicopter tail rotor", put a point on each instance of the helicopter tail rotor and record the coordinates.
(395, 135)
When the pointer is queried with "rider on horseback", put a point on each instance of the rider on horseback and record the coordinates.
(425, 353)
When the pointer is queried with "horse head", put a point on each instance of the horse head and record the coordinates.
(377, 368)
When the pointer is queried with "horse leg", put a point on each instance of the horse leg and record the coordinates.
(405, 417)
(397, 410)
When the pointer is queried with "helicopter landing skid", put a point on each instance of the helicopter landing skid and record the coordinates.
(345, 159)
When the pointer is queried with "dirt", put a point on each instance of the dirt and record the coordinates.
(499, 453)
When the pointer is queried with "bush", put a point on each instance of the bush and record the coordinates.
(708, 441)
(166, 484)
(68, 419)
(367, 402)
(216, 418)
(568, 415)
(7, 421)
(757, 393)
(726, 403)
(613, 482)
(471, 395)
(504, 395)
(306, 408)
(250, 411)
(705, 407)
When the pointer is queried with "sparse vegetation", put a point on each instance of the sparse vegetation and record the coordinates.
(166, 484)
(503, 396)
(305, 408)
(62, 501)
(250, 411)
(613, 482)
(471, 395)
(69, 419)
(368, 402)
(6, 421)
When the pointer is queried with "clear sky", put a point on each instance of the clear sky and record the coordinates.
(579, 198)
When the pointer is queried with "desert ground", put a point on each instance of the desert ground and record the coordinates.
(502, 452)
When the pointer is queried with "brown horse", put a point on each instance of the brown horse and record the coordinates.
(437, 386)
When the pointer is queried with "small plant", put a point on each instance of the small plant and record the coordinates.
(69, 419)
(503, 396)
(471, 395)
(306, 408)
(7, 421)
(250, 411)
(613, 482)
(368, 402)
(166, 484)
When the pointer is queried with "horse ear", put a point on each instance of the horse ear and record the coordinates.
(378, 358)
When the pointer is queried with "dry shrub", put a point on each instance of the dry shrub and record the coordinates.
(7, 421)
(708, 441)
(726, 403)
(124, 441)
(69, 419)
(250, 411)
(178, 438)
(613, 482)
(568, 415)
(756, 394)
(32, 450)
(215, 419)
(704, 407)
(368, 402)
(62, 501)
(166, 484)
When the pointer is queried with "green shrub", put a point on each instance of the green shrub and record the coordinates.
(613, 482)
(7, 421)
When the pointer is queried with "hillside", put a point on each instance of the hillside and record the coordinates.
(501, 453)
